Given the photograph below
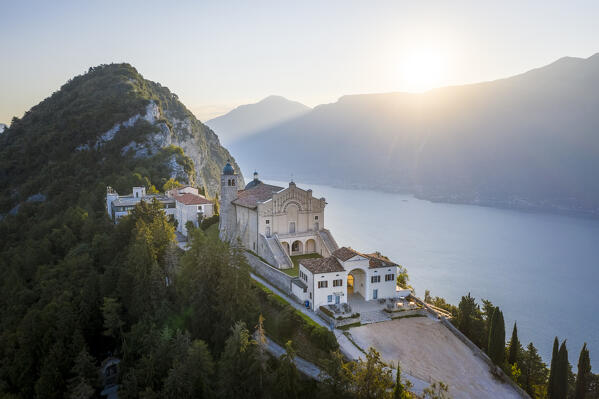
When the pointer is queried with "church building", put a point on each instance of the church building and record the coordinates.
(274, 222)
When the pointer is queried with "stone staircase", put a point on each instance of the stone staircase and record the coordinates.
(328, 240)
(373, 316)
(283, 260)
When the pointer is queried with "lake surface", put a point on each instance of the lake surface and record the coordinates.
(542, 270)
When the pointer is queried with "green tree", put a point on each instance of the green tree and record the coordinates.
(191, 375)
(534, 371)
(235, 379)
(437, 390)
(371, 379)
(336, 376)
(552, 370)
(399, 390)
(287, 377)
(469, 320)
(560, 376)
(583, 375)
(496, 342)
(514, 346)
(85, 377)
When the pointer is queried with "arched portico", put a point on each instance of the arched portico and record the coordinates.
(297, 247)
(356, 282)
(310, 246)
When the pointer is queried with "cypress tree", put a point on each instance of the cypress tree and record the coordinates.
(551, 382)
(560, 380)
(584, 371)
(496, 342)
(514, 346)
(398, 389)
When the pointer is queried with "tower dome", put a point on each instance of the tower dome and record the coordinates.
(228, 169)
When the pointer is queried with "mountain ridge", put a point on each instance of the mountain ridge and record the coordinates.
(507, 142)
(247, 118)
(114, 122)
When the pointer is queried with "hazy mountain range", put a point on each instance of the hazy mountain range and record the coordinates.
(250, 118)
(528, 141)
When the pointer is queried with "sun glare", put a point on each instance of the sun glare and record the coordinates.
(422, 70)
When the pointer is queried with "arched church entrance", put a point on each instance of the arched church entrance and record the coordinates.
(356, 283)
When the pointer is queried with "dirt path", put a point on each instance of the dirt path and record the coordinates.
(428, 350)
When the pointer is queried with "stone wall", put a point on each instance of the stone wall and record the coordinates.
(275, 277)
(496, 370)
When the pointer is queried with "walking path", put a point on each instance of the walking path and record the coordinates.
(304, 366)
(346, 347)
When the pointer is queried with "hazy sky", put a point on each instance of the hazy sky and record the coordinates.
(217, 55)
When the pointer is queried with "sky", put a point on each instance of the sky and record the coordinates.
(221, 54)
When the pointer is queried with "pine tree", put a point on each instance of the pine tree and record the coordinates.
(551, 383)
(514, 346)
(496, 342)
(584, 371)
(534, 371)
(287, 378)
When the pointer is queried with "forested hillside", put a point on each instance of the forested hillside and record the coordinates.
(76, 289)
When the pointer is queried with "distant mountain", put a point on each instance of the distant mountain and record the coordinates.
(109, 126)
(250, 118)
(529, 141)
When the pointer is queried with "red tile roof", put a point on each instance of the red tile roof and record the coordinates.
(192, 199)
(344, 253)
(261, 192)
(375, 260)
(322, 265)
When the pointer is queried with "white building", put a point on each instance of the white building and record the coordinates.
(184, 204)
(274, 222)
(332, 280)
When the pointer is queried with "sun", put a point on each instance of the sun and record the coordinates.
(422, 70)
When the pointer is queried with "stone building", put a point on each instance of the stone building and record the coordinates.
(274, 222)
(184, 204)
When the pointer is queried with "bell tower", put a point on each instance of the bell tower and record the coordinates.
(230, 183)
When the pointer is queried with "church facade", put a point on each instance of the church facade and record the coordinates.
(274, 222)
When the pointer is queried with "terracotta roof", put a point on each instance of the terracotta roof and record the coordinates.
(375, 260)
(345, 253)
(192, 199)
(322, 265)
(261, 192)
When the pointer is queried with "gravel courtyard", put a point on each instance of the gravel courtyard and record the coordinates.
(429, 351)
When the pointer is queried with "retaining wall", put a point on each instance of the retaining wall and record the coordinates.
(275, 277)
(478, 352)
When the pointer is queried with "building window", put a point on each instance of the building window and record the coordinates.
(316, 217)
(323, 284)
(338, 283)
(389, 277)
(200, 208)
(233, 182)
(291, 227)
(254, 246)
(375, 279)
(267, 221)
(330, 298)
(310, 295)
(303, 276)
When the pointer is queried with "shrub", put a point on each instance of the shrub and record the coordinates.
(207, 222)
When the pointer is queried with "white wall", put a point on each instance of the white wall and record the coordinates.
(320, 295)
(386, 289)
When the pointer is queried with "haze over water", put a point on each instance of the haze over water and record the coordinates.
(541, 269)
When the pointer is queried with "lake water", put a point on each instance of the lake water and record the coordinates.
(541, 269)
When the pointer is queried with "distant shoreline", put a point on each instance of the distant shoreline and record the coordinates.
(529, 207)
